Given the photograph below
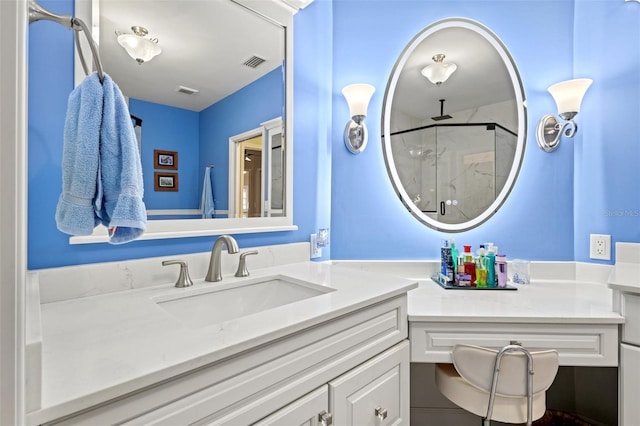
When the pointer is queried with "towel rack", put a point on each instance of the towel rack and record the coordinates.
(38, 13)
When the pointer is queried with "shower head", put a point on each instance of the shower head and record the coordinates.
(442, 115)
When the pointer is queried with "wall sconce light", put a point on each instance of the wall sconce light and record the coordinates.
(568, 96)
(355, 133)
(439, 71)
(139, 47)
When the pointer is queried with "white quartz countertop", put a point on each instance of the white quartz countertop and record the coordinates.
(541, 301)
(100, 347)
(625, 277)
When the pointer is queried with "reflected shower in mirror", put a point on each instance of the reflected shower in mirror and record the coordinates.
(221, 73)
(454, 125)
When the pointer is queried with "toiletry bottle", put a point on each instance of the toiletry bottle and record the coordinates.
(490, 264)
(469, 265)
(461, 279)
(443, 257)
(446, 263)
(501, 270)
(454, 255)
(481, 270)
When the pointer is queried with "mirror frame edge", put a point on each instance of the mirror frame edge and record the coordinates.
(520, 97)
(281, 14)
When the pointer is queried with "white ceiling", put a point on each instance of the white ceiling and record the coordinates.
(480, 79)
(204, 44)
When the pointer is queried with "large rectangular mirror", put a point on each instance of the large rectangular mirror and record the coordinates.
(223, 78)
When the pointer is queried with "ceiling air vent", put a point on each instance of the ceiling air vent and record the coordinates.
(187, 90)
(253, 62)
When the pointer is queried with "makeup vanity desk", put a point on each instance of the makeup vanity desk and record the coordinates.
(575, 318)
(567, 306)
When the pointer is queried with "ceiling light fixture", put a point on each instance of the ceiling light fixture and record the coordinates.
(439, 71)
(139, 47)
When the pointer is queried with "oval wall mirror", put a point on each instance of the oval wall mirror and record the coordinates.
(454, 125)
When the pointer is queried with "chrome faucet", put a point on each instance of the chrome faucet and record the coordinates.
(215, 270)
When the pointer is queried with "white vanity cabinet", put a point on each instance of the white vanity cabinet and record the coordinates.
(625, 281)
(375, 393)
(630, 361)
(354, 368)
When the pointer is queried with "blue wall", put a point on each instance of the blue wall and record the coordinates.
(537, 221)
(237, 113)
(51, 82)
(169, 129)
(607, 48)
(202, 138)
(552, 208)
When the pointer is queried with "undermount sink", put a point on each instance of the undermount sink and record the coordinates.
(222, 302)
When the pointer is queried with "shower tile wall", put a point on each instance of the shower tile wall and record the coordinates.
(432, 172)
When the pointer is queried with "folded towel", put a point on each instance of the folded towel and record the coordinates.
(121, 208)
(101, 171)
(206, 201)
(75, 213)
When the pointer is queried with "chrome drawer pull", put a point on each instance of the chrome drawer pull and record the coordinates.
(325, 419)
(381, 413)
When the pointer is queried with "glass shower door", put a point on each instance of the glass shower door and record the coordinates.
(465, 171)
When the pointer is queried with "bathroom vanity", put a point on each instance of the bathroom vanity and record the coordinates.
(567, 307)
(337, 351)
(625, 282)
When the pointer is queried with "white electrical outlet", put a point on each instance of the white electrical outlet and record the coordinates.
(600, 247)
(316, 251)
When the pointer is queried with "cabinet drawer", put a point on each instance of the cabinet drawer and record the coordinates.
(304, 411)
(631, 312)
(577, 344)
(375, 393)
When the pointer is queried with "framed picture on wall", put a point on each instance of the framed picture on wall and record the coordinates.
(165, 181)
(165, 159)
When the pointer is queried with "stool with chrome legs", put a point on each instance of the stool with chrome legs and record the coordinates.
(507, 385)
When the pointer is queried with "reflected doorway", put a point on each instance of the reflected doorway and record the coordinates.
(249, 189)
(257, 177)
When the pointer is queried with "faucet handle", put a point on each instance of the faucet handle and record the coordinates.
(242, 264)
(183, 278)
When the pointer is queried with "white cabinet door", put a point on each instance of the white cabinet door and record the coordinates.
(629, 385)
(631, 311)
(376, 393)
(306, 411)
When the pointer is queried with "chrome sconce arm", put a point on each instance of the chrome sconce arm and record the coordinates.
(568, 96)
(550, 129)
(355, 132)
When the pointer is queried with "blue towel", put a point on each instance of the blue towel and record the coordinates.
(206, 201)
(75, 213)
(101, 165)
